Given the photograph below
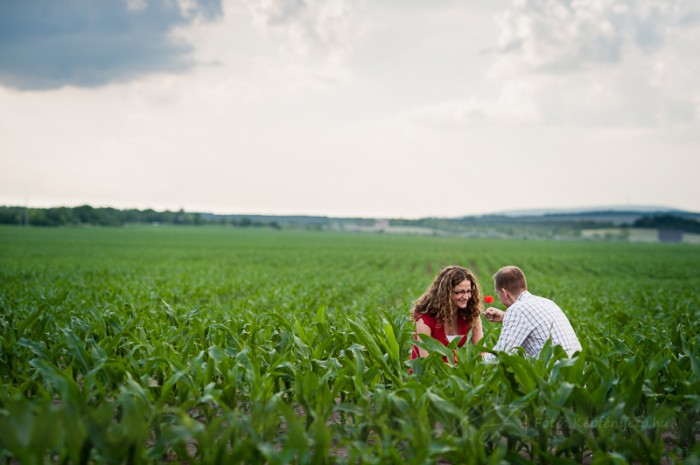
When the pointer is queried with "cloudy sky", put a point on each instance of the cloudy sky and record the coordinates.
(394, 108)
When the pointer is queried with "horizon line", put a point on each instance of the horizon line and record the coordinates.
(512, 213)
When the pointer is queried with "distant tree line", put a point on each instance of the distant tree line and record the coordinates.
(87, 215)
(668, 222)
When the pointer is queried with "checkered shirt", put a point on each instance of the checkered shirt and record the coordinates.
(530, 322)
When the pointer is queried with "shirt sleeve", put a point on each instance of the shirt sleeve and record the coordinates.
(516, 328)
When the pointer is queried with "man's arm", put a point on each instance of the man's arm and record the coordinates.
(516, 328)
(494, 315)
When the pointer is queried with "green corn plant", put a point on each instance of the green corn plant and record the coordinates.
(174, 343)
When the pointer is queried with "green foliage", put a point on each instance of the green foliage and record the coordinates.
(87, 215)
(220, 345)
(668, 222)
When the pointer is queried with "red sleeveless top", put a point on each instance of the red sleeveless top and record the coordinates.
(438, 332)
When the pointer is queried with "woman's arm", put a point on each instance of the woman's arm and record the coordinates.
(478, 334)
(477, 331)
(422, 328)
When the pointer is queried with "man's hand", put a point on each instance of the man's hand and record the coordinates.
(494, 315)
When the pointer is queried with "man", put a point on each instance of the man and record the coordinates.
(530, 320)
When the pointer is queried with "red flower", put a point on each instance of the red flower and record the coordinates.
(488, 299)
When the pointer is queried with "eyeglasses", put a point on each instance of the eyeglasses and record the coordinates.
(462, 292)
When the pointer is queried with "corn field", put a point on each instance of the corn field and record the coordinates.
(217, 345)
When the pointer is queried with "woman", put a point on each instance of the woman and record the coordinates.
(448, 309)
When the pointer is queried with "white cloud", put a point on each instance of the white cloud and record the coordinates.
(601, 63)
(326, 29)
(555, 36)
(514, 105)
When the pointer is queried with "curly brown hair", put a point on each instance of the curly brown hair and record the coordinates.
(437, 302)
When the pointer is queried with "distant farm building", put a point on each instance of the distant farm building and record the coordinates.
(381, 225)
(670, 235)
